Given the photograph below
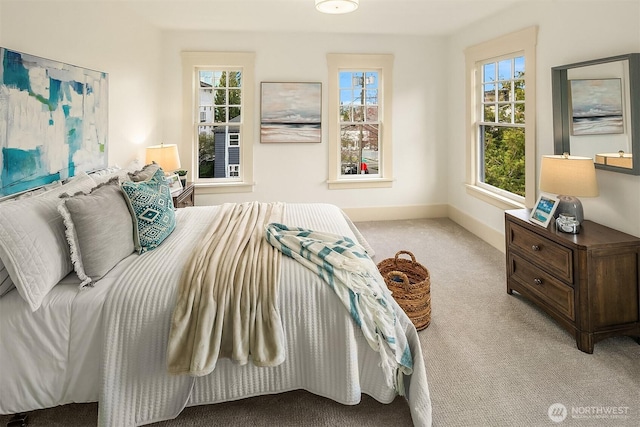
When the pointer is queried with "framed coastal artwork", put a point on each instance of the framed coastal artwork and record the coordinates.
(291, 112)
(53, 121)
(596, 106)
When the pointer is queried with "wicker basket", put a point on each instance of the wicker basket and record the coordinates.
(410, 285)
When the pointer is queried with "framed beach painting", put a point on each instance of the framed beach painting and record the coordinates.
(291, 112)
(53, 121)
(596, 106)
(542, 212)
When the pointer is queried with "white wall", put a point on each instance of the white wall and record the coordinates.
(298, 172)
(100, 36)
(428, 112)
(568, 32)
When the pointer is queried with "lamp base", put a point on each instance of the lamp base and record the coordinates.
(570, 205)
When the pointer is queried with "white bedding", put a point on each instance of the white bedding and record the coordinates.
(326, 353)
(52, 356)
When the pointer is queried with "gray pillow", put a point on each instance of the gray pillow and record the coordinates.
(144, 174)
(99, 230)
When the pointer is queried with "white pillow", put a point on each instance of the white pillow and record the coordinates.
(38, 191)
(33, 246)
(104, 175)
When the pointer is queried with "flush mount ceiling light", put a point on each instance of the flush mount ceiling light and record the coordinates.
(336, 6)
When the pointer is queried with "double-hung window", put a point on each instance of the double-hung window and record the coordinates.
(218, 118)
(360, 154)
(501, 114)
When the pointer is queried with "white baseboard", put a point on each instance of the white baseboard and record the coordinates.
(493, 237)
(390, 213)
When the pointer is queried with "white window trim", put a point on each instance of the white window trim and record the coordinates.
(523, 41)
(245, 61)
(384, 65)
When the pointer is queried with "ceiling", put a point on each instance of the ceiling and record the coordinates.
(416, 17)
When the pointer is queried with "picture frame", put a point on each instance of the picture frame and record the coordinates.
(615, 152)
(51, 108)
(291, 112)
(175, 185)
(543, 210)
(596, 106)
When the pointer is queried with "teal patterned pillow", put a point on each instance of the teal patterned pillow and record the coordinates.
(152, 211)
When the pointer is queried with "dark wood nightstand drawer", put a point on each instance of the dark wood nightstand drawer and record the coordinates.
(588, 282)
(542, 251)
(542, 285)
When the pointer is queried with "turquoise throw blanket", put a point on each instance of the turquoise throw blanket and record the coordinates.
(345, 266)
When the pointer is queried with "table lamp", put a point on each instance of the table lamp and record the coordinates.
(165, 155)
(569, 177)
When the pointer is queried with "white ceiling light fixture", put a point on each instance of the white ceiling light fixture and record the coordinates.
(336, 6)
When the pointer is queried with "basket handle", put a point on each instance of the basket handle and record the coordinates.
(395, 275)
(413, 258)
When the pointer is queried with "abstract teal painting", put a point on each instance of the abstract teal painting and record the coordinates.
(53, 121)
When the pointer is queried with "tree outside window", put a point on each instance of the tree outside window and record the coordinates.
(502, 126)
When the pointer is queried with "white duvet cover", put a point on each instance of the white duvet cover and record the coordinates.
(121, 327)
(52, 356)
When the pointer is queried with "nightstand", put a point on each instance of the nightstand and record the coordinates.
(185, 197)
(588, 282)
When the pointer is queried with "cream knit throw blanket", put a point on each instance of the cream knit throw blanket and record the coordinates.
(227, 298)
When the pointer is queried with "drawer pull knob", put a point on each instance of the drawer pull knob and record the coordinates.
(537, 281)
(535, 248)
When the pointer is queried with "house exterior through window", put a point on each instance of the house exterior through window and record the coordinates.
(359, 126)
(360, 144)
(218, 89)
(220, 103)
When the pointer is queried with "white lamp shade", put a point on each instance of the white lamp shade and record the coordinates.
(166, 155)
(336, 6)
(568, 175)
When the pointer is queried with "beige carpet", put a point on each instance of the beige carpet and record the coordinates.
(492, 359)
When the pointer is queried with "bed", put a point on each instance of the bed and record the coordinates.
(107, 342)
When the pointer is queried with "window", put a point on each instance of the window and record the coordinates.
(233, 170)
(359, 126)
(501, 130)
(233, 140)
(360, 121)
(219, 92)
(501, 146)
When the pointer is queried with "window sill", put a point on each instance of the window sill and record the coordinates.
(344, 184)
(494, 199)
(224, 187)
